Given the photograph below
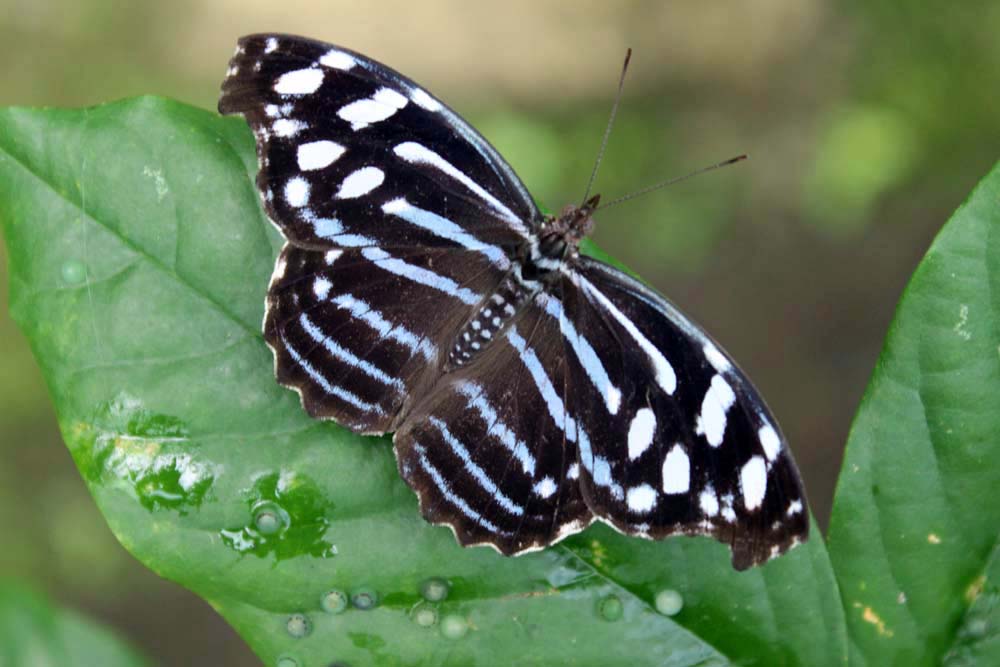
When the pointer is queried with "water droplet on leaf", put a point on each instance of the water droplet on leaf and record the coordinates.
(364, 599)
(424, 616)
(269, 518)
(334, 601)
(454, 626)
(73, 272)
(669, 602)
(434, 589)
(611, 608)
(298, 625)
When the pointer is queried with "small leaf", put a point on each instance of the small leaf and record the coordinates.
(32, 632)
(139, 260)
(916, 517)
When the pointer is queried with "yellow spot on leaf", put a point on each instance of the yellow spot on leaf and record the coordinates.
(869, 616)
(933, 538)
(975, 588)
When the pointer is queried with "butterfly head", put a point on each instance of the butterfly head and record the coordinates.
(560, 235)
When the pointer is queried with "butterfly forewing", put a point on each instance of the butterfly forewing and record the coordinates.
(410, 298)
(354, 154)
(691, 448)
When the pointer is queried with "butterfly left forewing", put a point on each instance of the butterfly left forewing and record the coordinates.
(353, 153)
(690, 447)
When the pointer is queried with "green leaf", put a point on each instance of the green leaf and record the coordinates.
(916, 516)
(34, 633)
(139, 260)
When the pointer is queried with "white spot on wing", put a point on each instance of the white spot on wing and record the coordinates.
(794, 507)
(715, 357)
(360, 182)
(676, 471)
(297, 192)
(641, 499)
(422, 99)
(318, 154)
(337, 60)
(299, 82)
(753, 482)
(321, 288)
(545, 488)
(270, 45)
(712, 421)
(708, 501)
(640, 433)
(362, 113)
(286, 127)
(770, 441)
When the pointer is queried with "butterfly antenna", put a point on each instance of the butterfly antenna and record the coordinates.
(607, 130)
(671, 181)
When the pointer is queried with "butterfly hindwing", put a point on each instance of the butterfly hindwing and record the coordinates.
(354, 154)
(691, 447)
(493, 453)
(351, 329)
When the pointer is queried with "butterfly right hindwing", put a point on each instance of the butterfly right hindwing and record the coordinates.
(691, 448)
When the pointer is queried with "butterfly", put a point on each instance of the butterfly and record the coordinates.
(531, 389)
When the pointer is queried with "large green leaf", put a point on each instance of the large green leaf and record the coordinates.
(139, 258)
(916, 514)
(35, 634)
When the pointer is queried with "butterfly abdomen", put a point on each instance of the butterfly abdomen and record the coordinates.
(489, 321)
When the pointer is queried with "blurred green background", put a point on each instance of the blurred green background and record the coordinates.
(867, 123)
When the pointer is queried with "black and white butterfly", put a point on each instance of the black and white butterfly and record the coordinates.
(531, 389)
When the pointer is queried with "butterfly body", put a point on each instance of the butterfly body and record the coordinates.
(531, 389)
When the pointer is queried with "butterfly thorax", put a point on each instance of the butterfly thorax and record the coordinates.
(557, 241)
(537, 266)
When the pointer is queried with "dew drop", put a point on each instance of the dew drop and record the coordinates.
(298, 625)
(334, 601)
(669, 602)
(73, 272)
(364, 599)
(269, 518)
(286, 661)
(611, 608)
(434, 589)
(454, 626)
(977, 628)
(424, 616)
